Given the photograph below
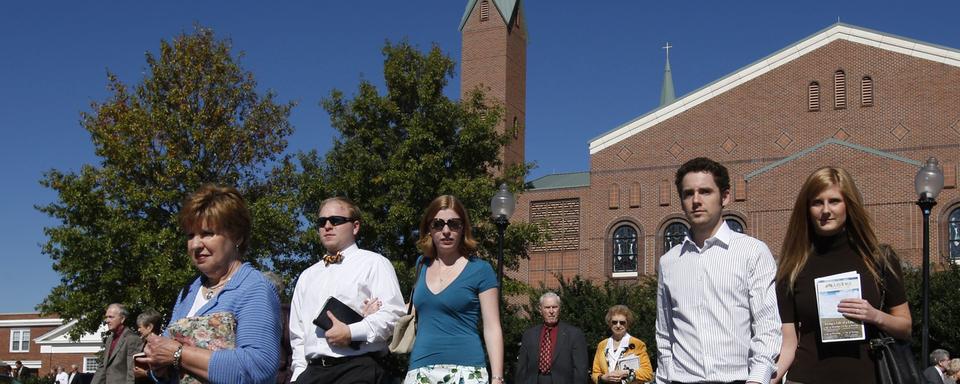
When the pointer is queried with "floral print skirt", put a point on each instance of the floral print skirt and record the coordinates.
(447, 373)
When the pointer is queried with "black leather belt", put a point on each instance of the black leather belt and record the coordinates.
(329, 361)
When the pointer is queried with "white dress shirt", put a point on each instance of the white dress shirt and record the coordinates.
(361, 275)
(717, 317)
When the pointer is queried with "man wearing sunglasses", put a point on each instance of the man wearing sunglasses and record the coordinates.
(356, 277)
(553, 352)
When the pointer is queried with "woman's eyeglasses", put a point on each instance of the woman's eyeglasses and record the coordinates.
(455, 224)
(618, 322)
(334, 220)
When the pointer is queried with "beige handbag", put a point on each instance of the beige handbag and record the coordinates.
(404, 334)
(405, 331)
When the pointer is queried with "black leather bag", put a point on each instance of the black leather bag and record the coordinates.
(895, 361)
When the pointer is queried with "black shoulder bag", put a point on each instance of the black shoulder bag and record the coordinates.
(895, 361)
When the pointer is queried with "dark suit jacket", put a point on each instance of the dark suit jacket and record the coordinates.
(570, 364)
(76, 379)
(118, 367)
(932, 376)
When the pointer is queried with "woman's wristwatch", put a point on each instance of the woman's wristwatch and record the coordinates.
(176, 357)
(498, 379)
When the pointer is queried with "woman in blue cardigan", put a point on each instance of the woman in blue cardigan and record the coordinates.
(225, 326)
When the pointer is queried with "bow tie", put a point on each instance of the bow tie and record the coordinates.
(332, 259)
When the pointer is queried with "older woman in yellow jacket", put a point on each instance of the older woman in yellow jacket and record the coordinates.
(621, 358)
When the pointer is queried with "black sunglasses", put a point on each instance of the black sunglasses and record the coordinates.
(335, 220)
(615, 322)
(455, 224)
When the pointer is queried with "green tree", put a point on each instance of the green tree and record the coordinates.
(944, 296)
(196, 117)
(399, 150)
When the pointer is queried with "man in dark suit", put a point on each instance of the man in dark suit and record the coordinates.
(74, 376)
(553, 352)
(119, 348)
(20, 372)
(934, 373)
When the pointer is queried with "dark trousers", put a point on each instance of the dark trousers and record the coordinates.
(359, 370)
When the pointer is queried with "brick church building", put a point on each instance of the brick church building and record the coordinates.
(873, 103)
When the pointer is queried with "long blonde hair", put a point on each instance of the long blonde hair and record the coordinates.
(798, 243)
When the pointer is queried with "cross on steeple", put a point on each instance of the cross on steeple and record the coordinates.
(667, 47)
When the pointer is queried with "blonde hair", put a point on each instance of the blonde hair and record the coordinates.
(953, 367)
(347, 203)
(221, 208)
(425, 243)
(619, 309)
(798, 243)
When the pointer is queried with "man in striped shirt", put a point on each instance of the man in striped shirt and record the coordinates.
(717, 318)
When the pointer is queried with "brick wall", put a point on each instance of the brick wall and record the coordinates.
(494, 59)
(914, 115)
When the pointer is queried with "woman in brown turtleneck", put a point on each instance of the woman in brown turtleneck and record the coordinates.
(829, 233)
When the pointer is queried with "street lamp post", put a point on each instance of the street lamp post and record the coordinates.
(501, 208)
(928, 183)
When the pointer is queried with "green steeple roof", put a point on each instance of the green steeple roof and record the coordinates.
(666, 94)
(506, 9)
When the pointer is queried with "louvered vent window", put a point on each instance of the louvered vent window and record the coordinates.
(840, 90)
(813, 97)
(866, 91)
(484, 10)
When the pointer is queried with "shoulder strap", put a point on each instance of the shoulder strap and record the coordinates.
(413, 287)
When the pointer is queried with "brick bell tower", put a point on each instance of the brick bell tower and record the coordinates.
(494, 58)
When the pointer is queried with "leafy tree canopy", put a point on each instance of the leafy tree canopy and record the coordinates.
(196, 117)
(398, 150)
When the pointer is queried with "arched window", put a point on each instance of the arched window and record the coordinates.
(866, 91)
(953, 234)
(674, 234)
(813, 97)
(840, 90)
(734, 224)
(625, 249)
(484, 10)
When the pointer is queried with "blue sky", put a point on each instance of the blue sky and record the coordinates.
(591, 67)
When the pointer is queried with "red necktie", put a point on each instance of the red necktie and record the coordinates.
(546, 350)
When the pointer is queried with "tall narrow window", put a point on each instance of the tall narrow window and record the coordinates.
(866, 91)
(673, 235)
(19, 340)
(484, 10)
(953, 234)
(614, 196)
(840, 90)
(624, 249)
(813, 97)
(634, 195)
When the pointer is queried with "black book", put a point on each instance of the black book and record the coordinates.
(340, 310)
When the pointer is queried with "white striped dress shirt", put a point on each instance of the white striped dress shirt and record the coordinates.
(717, 318)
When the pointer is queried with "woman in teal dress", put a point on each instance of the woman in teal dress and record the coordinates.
(454, 291)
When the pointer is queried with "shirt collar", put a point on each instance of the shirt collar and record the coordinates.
(349, 250)
(721, 238)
